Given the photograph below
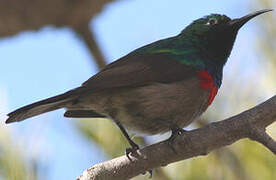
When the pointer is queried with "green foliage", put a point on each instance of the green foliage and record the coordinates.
(13, 164)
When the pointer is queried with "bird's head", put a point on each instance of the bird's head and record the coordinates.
(214, 35)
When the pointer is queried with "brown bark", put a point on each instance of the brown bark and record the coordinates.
(24, 15)
(83, 30)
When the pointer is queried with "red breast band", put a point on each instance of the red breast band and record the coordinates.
(207, 83)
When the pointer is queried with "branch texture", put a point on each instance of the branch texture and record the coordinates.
(249, 124)
(24, 15)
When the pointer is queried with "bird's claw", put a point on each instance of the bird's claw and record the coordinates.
(175, 132)
(150, 173)
(133, 149)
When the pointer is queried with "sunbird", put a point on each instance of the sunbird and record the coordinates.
(163, 86)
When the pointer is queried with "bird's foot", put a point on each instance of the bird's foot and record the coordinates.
(175, 132)
(133, 149)
(150, 173)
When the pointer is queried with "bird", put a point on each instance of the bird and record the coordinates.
(160, 87)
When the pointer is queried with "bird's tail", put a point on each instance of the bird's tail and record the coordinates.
(43, 106)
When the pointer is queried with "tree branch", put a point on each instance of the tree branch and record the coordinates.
(249, 124)
(24, 15)
(88, 37)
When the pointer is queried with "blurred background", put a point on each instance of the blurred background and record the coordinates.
(49, 47)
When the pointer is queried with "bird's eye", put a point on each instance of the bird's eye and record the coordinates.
(212, 21)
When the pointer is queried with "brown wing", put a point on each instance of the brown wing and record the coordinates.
(140, 69)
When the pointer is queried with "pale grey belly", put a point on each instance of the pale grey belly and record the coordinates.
(158, 108)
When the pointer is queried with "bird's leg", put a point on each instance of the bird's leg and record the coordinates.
(175, 132)
(134, 146)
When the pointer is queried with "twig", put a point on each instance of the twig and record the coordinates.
(262, 137)
(88, 37)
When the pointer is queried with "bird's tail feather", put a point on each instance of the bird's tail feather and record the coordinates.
(40, 107)
(83, 114)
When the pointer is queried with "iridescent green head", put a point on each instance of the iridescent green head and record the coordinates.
(215, 34)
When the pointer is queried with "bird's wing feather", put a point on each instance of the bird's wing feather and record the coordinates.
(140, 69)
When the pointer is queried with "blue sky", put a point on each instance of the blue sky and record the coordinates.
(37, 65)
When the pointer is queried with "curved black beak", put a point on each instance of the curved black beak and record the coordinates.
(239, 22)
